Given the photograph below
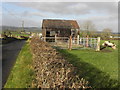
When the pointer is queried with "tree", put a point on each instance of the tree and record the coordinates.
(106, 33)
(83, 33)
(89, 28)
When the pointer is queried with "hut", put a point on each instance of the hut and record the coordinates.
(60, 28)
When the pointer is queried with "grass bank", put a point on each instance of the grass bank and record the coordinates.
(22, 74)
(99, 68)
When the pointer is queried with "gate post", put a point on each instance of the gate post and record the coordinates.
(77, 39)
(98, 44)
(70, 43)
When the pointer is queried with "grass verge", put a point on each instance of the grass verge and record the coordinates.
(22, 73)
(99, 68)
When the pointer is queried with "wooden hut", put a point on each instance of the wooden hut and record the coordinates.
(60, 28)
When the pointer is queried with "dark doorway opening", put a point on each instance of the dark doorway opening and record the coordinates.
(49, 37)
(47, 33)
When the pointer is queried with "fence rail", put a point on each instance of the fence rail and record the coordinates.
(74, 43)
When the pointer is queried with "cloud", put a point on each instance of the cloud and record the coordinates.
(13, 21)
(105, 7)
(71, 7)
(29, 14)
(56, 7)
(60, 1)
(104, 14)
(102, 22)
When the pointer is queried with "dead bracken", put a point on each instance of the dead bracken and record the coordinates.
(51, 69)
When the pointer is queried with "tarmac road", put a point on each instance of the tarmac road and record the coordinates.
(10, 52)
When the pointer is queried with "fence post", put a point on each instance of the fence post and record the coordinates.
(80, 40)
(55, 38)
(70, 43)
(77, 39)
(91, 42)
(87, 41)
(44, 39)
(98, 44)
(84, 41)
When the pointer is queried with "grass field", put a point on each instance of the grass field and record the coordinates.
(99, 68)
(18, 34)
(21, 75)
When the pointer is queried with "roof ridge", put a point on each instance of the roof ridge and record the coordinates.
(59, 23)
(60, 19)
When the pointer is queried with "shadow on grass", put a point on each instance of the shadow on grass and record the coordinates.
(96, 78)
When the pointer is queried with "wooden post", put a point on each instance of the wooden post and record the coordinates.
(55, 38)
(98, 44)
(91, 42)
(70, 43)
(44, 39)
(87, 41)
(77, 39)
(84, 42)
(80, 40)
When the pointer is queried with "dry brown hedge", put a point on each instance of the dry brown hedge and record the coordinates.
(51, 69)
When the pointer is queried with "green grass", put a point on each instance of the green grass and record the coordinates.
(99, 68)
(22, 74)
(20, 34)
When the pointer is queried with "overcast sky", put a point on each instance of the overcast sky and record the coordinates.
(102, 14)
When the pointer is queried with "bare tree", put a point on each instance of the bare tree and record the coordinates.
(106, 33)
(83, 33)
(89, 28)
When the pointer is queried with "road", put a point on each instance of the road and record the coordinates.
(10, 52)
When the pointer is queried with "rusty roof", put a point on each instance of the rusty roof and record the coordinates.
(56, 23)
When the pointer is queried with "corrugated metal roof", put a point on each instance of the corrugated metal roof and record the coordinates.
(55, 23)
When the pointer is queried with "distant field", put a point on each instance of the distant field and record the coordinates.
(20, 34)
(100, 68)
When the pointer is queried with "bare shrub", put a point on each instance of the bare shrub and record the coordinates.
(51, 69)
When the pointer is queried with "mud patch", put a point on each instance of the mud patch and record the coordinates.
(105, 50)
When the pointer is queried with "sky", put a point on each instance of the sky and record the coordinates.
(101, 14)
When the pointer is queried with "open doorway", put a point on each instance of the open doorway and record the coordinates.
(47, 33)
